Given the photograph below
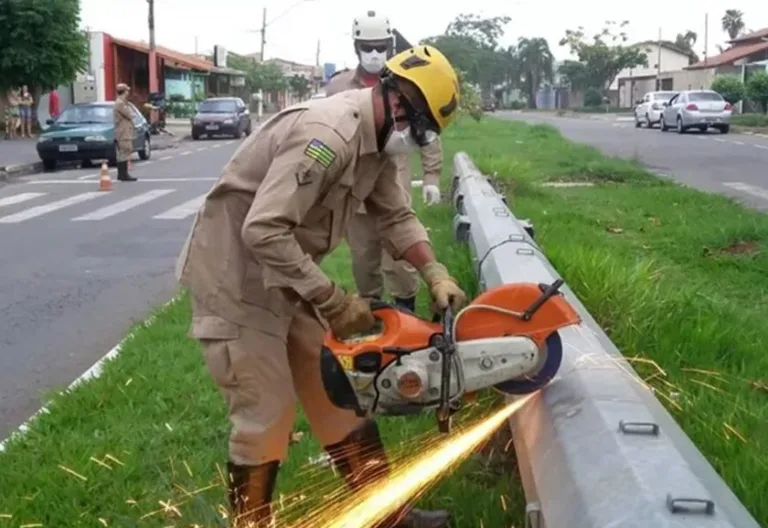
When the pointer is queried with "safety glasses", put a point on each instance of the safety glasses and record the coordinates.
(368, 48)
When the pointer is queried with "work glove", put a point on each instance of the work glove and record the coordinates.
(442, 288)
(346, 313)
(431, 194)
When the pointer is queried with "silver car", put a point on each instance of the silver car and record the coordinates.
(696, 109)
(648, 110)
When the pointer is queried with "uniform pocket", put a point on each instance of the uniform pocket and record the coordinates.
(215, 336)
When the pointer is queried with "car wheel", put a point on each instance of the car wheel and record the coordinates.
(49, 164)
(648, 123)
(680, 127)
(637, 122)
(146, 152)
(703, 129)
(725, 129)
(662, 124)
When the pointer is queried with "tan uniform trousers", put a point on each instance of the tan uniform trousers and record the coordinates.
(370, 261)
(124, 149)
(261, 375)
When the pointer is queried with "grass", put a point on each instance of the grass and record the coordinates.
(150, 435)
(672, 274)
(750, 120)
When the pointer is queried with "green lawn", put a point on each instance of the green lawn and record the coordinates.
(673, 275)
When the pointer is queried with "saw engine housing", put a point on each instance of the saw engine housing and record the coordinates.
(506, 338)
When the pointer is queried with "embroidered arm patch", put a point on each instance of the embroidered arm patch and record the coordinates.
(320, 152)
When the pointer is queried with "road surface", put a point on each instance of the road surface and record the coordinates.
(79, 266)
(732, 164)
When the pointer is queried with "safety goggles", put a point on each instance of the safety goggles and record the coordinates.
(368, 48)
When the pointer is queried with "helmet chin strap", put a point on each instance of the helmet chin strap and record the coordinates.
(389, 121)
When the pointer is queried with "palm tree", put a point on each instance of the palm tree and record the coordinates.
(536, 65)
(733, 22)
(686, 41)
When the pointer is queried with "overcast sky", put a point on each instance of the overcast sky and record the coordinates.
(185, 24)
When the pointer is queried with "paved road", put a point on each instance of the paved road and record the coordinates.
(732, 164)
(18, 151)
(78, 266)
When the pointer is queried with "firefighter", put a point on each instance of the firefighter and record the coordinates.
(124, 132)
(261, 304)
(374, 43)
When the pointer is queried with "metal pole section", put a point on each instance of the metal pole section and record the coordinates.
(595, 448)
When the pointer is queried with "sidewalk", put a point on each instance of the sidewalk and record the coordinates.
(19, 157)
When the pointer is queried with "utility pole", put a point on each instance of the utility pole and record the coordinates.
(317, 54)
(153, 81)
(658, 64)
(706, 37)
(263, 32)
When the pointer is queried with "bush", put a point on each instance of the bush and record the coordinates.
(757, 89)
(592, 98)
(470, 100)
(730, 87)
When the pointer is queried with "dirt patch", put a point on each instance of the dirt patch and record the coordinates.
(737, 248)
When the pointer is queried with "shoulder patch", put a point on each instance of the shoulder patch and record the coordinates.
(320, 152)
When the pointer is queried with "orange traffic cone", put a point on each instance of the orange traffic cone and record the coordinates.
(105, 183)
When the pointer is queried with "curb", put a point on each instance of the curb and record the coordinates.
(17, 170)
(90, 374)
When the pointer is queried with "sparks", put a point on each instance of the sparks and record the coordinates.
(381, 499)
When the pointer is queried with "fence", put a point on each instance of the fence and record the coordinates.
(595, 448)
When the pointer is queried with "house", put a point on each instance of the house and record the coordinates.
(114, 60)
(664, 56)
(746, 54)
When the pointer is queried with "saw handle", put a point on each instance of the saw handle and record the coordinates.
(447, 349)
(549, 291)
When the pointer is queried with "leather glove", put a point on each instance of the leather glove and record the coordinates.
(431, 194)
(346, 313)
(442, 287)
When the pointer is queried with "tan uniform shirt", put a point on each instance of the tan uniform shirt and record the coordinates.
(282, 203)
(124, 129)
(431, 155)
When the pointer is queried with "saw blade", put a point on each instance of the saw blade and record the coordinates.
(551, 356)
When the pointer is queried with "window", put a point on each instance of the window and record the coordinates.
(222, 106)
(87, 114)
(663, 96)
(704, 96)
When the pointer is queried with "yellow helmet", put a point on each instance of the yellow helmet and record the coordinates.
(428, 69)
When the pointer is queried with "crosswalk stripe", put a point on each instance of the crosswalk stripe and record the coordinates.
(182, 211)
(47, 208)
(759, 192)
(124, 205)
(19, 198)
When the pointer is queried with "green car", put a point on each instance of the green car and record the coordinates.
(85, 132)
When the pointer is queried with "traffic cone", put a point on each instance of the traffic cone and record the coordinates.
(105, 183)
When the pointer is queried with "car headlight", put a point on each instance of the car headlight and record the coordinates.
(228, 121)
(95, 138)
(43, 139)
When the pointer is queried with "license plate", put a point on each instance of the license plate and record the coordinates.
(67, 148)
(212, 127)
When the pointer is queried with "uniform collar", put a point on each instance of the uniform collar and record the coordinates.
(368, 145)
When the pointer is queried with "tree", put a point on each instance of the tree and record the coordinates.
(733, 22)
(601, 60)
(757, 89)
(299, 86)
(730, 87)
(686, 41)
(41, 44)
(486, 32)
(536, 64)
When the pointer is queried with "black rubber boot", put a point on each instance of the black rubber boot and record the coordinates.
(122, 172)
(361, 458)
(250, 494)
(409, 303)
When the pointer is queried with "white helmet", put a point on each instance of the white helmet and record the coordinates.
(371, 26)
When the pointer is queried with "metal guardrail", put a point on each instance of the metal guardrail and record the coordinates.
(595, 448)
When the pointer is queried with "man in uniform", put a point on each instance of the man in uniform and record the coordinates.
(261, 303)
(124, 132)
(373, 41)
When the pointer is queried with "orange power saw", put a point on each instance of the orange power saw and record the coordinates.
(507, 338)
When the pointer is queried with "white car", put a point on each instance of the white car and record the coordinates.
(697, 109)
(648, 111)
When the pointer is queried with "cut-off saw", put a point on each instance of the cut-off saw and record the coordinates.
(507, 339)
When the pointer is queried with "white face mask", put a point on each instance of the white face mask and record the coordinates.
(400, 142)
(373, 61)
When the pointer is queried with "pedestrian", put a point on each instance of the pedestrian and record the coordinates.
(261, 303)
(12, 120)
(124, 132)
(374, 44)
(25, 112)
(53, 104)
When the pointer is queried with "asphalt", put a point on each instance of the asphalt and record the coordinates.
(72, 285)
(732, 164)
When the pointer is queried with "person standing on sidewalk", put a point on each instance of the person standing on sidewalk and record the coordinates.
(124, 132)
(374, 44)
(25, 112)
(12, 114)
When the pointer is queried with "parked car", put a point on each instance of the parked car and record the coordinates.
(697, 109)
(226, 116)
(489, 105)
(85, 132)
(648, 110)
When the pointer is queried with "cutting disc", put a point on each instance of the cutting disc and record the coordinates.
(549, 363)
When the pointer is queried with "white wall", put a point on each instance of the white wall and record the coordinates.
(96, 62)
(670, 61)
